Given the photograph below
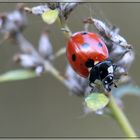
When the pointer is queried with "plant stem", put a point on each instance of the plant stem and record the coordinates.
(64, 27)
(49, 67)
(121, 118)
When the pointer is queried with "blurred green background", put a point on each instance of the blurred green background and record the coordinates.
(42, 106)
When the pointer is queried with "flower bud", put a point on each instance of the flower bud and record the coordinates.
(74, 82)
(24, 44)
(67, 8)
(24, 60)
(101, 26)
(45, 47)
(18, 17)
(125, 63)
(39, 70)
(39, 10)
(120, 52)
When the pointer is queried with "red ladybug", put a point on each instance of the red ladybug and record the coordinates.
(88, 56)
(85, 46)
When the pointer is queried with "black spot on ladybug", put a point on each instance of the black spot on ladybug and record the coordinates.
(84, 33)
(73, 57)
(100, 44)
(89, 63)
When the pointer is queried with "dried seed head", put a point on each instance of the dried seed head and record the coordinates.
(26, 61)
(125, 63)
(39, 69)
(67, 8)
(77, 84)
(101, 27)
(13, 22)
(64, 8)
(18, 18)
(20, 6)
(120, 52)
(25, 46)
(38, 10)
(53, 5)
(45, 47)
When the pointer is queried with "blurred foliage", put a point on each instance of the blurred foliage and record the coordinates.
(96, 101)
(50, 16)
(126, 90)
(17, 75)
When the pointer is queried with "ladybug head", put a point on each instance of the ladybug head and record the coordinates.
(103, 71)
(108, 82)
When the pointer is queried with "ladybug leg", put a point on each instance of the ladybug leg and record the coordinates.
(115, 85)
(115, 67)
(93, 75)
(92, 86)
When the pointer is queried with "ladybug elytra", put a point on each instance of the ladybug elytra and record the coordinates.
(88, 56)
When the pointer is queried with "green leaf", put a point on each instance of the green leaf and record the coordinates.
(17, 75)
(50, 16)
(96, 101)
(126, 90)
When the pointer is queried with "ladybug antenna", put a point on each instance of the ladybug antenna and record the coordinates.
(115, 66)
(89, 63)
(115, 85)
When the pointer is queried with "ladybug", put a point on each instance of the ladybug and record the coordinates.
(88, 56)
